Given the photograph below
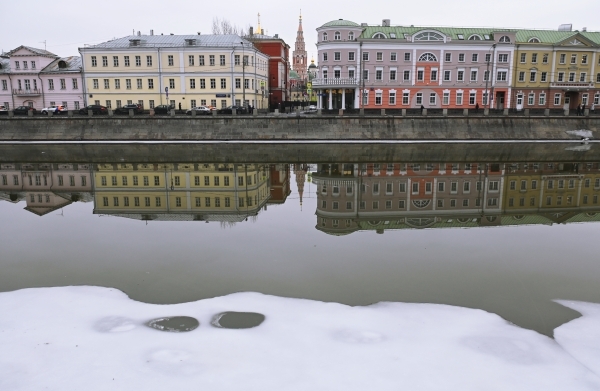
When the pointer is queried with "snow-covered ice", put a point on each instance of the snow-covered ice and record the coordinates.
(92, 338)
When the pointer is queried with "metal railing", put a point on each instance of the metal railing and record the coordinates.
(335, 82)
(572, 84)
(27, 92)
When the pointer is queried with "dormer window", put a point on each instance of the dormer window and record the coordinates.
(379, 36)
(62, 64)
(428, 36)
(504, 39)
(351, 36)
(475, 37)
(324, 36)
(337, 36)
(534, 40)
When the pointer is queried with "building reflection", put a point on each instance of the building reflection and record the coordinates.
(197, 192)
(378, 197)
(45, 187)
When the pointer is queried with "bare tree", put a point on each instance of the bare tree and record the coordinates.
(224, 27)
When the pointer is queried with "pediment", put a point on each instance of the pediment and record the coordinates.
(29, 51)
(577, 40)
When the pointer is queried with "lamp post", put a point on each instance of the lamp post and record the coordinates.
(243, 76)
(487, 99)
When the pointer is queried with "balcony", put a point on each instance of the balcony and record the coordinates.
(26, 92)
(335, 82)
(572, 85)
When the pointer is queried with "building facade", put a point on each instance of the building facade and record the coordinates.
(186, 70)
(399, 67)
(37, 78)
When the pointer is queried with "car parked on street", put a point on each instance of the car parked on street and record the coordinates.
(229, 110)
(23, 110)
(96, 109)
(137, 109)
(163, 109)
(3, 110)
(200, 110)
(55, 110)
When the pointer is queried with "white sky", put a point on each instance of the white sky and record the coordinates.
(69, 24)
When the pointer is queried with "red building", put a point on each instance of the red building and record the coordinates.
(278, 52)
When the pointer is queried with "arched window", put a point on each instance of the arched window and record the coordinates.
(427, 57)
(475, 37)
(62, 64)
(324, 36)
(379, 36)
(504, 39)
(351, 36)
(428, 36)
(337, 36)
(421, 203)
(534, 40)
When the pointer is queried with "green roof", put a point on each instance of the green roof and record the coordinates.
(294, 74)
(523, 36)
(340, 22)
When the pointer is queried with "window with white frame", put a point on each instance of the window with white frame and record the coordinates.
(337, 36)
(472, 97)
(378, 98)
(582, 77)
(584, 99)
(104, 61)
(366, 74)
(446, 98)
(324, 56)
(428, 57)
(406, 75)
(542, 99)
(531, 99)
(419, 98)
(597, 99)
(432, 98)
(502, 57)
(459, 98)
(461, 57)
(557, 98)
(392, 74)
(405, 98)
(521, 76)
(94, 83)
(448, 57)
(523, 57)
(532, 76)
(420, 75)
(351, 36)
(584, 58)
(447, 75)
(460, 75)
(392, 96)
(117, 84)
(473, 75)
(75, 84)
(379, 56)
(365, 56)
(350, 56)
(474, 57)
(561, 76)
(365, 98)
(406, 56)
(393, 56)
(433, 76)
(325, 36)
(544, 77)
(337, 56)
(573, 58)
(571, 76)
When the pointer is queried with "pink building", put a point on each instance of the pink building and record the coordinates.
(38, 78)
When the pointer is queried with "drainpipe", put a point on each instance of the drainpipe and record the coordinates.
(12, 92)
(43, 95)
(515, 80)
(362, 78)
(82, 72)
(160, 85)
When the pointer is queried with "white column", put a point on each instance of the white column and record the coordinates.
(357, 98)
(320, 100)
(344, 99)
(330, 100)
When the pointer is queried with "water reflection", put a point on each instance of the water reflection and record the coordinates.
(350, 196)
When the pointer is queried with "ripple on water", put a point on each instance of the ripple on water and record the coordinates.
(174, 324)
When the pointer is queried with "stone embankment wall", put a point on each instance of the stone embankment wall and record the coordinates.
(290, 128)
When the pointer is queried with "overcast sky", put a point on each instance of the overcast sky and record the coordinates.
(70, 24)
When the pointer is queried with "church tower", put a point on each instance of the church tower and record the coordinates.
(299, 55)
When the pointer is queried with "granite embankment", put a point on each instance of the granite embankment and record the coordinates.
(289, 128)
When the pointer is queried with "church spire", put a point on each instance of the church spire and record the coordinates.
(299, 63)
(300, 21)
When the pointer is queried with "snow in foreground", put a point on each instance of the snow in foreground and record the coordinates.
(90, 338)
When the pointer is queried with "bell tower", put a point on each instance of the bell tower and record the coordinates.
(300, 61)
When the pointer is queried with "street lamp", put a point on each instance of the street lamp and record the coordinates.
(243, 76)
(489, 75)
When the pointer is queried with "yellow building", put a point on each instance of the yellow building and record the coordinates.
(556, 69)
(211, 192)
(191, 70)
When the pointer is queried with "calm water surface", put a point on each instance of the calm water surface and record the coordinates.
(504, 237)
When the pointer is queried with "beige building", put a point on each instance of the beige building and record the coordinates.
(205, 192)
(186, 70)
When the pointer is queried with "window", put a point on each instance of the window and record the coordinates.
(427, 57)
(150, 84)
(561, 76)
(379, 74)
(392, 74)
(336, 56)
(213, 83)
(115, 61)
(460, 76)
(94, 83)
(378, 98)
(171, 83)
(447, 75)
(117, 84)
(407, 56)
(562, 58)
(393, 56)
(104, 61)
(473, 75)
(379, 56)
(351, 56)
(392, 99)
(522, 76)
(406, 75)
(126, 60)
(325, 56)
(222, 60)
(532, 76)
(504, 39)
(523, 57)
(545, 58)
(419, 98)
(420, 75)
(542, 99)
(106, 84)
(432, 98)
(51, 84)
(534, 58)
(448, 57)
(94, 62)
(461, 57)
(433, 76)
(446, 98)
(365, 56)
(582, 77)
(571, 76)
(501, 76)
(573, 58)
(544, 77)
(405, 98)
(459, 98)
(365, 74)
(428, 36)
(350, 36)
(149, 61)
(474, 57)
(584, 59)
(472, 97)
(211, 60)
(502, 57)
(75, 84)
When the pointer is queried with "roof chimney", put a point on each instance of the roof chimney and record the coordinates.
(385, 22)
(251, 31)
(584, 29)
(198, 32)
(151, 32)
(262, 31)
(139, 33)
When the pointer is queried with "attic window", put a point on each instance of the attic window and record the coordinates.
(475, 37)
(534, 40)
(428, 36)
(62, 64)
(487, 37)
(190, 42)
(379, 36)
(134, 42)
(393, 35)
(460, 36)
(504, 39)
